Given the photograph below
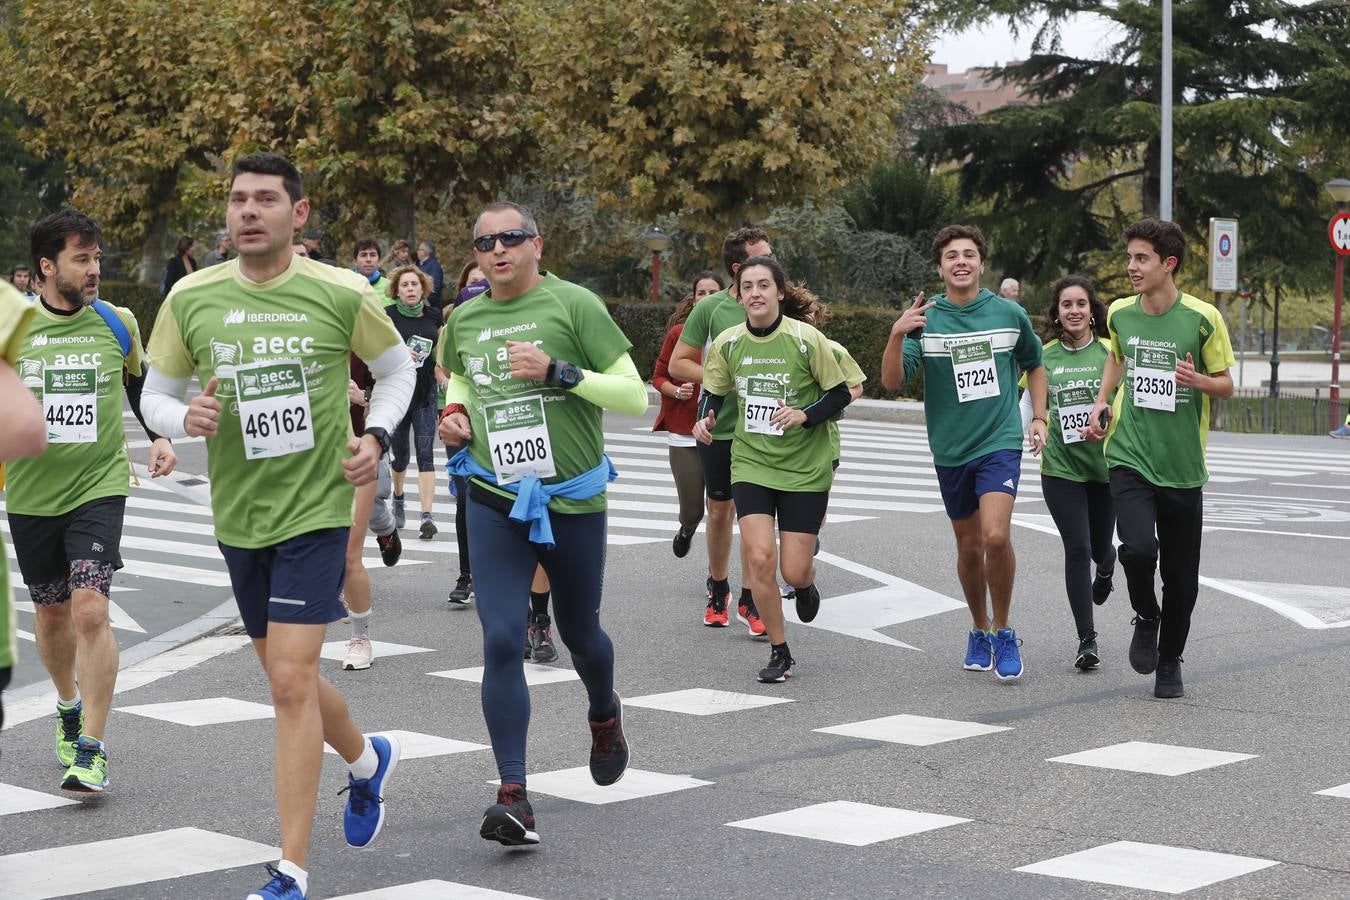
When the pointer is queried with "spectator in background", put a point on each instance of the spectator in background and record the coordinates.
(222, 251)
(679, 409)
(705, 283)
(400, 255)
(419, 326)
(1010, 289)
(313, 242)
(180, 265)
(427, 262)
(366, 261)
(299, 248)
(22, 279)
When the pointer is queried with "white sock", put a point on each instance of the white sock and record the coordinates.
(366, 763)
(69, 703)
(360, 623)
(286, 867)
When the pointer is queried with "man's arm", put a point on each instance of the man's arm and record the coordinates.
(23, 431)
(684, 363)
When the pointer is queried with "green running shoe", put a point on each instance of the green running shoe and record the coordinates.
(69, 724)
(89, 773)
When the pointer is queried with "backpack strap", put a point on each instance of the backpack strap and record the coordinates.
(115, 325)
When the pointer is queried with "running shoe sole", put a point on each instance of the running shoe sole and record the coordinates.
(772, 680)
(506, 829)
(1087, 661)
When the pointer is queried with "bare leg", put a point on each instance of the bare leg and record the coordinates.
(356, 587)
(398, 482)
(95, 657)
(795, 557)
(56, 645)
(426, 489)
(970, 568)
(721, 513)
(1000, 563)
(761, 557)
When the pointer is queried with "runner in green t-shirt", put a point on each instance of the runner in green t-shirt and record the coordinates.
(534, 363)
(270, 336)
(787, 385)
(22, 433)
(971, 343)
(1073, 471)
(711, 316)
(366, 263)
(1169, 354)
(82, 357)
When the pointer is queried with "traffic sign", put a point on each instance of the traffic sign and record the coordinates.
(1338, 230)
(1223, 254)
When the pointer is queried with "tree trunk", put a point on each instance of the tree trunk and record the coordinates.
(162, 199)
(402, 219)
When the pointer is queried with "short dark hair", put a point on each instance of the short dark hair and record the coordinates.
(734, 244)
(527, 220)
(49, 235)
(1096, 308)
(17, 269)
(185, 242)
(1165, 237)
(709, 273)
(272, 164)
(366, 244)
(956, 233)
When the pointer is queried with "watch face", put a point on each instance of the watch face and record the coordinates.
(570, 375)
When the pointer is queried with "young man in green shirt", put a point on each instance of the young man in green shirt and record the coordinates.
(366, 263)
(533, 364)
(270, 335)
(23, 432)
(1170, 354)
(713, 315)
(82, 357)
(971, 344)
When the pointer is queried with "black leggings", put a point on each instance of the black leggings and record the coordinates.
(1086, 519)
(4, 683)
(461, 519)
(1160, 528)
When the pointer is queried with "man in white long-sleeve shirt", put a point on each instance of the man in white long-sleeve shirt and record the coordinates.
(269, 335)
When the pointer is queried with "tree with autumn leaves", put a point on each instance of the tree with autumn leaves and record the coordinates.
(673, 108)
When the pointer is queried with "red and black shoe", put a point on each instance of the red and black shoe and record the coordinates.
(609, 747)
(510, 821)
(748, 615)
(716, 616)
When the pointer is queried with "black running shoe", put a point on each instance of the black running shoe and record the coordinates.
(1144, 644)
(1167, 682)
(428, 529)
(540, 634)
(391, 547)
(463, 591)
(609, 747)
(681, 543)
(779, 668)
(1101, 587)
(1087, 654)
(808, 602)
(510, 821)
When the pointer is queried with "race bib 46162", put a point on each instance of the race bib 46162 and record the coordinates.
(274, 412)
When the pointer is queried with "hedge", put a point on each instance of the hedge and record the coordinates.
(864, 331)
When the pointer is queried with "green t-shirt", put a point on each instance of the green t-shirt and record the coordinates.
(16, 313)
(710, 317)
(567, 322)
(1166, 447)
(66, 359)
(977, 349)
(853, 376)
(1073, 378)
(276, 462)
(793, 364)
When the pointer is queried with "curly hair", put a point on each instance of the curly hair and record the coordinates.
(397, 275)
(1096, 308)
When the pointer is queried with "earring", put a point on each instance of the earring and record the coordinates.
(1092, 320)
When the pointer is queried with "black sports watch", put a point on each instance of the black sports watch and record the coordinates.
(380, 435)
(563, 374)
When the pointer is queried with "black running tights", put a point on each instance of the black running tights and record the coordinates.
(1086, 519)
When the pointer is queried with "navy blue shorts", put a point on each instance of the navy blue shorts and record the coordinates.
(963, 485)
(295, 581)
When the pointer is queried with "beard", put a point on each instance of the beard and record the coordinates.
(72, 293)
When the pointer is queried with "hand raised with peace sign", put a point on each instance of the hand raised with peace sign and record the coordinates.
(912, 320)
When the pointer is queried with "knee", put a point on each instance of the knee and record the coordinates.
(53, 615)
(760, 561)
(90, 615)
(797, 574)
(293, 684)
(1077, 554)
(969, 547)
(997, 540)
(721, 511)
(1136, 555)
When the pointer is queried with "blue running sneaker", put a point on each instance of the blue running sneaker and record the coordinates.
(281, 887)
(1343, 431)
(1007, 658)
(364, 816)
(979, 652)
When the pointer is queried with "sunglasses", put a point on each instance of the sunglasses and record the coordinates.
(513, 237)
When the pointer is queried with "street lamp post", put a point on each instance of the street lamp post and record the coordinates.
(657, 240)
(1340, 192)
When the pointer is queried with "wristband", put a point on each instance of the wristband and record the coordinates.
(1040, 419)
(453, 408)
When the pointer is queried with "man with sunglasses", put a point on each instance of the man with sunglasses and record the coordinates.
(533, 364)
(713, 315)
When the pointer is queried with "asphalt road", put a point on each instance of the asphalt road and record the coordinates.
(903, 807)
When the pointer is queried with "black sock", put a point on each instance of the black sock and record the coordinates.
(777, 647)
(398, 496)
(746, 596)
(539, 603)
(721, 588)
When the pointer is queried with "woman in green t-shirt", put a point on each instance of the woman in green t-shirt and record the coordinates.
(787, 384)
(1074, 479)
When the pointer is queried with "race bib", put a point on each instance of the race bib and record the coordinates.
(1155, 378)
(974, 371)
(420, 347)
(762, 398)
(517, 434)
(1074, 407)
(70, 405)
(274, 412)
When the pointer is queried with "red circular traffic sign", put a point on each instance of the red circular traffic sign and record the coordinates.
(1338, 231)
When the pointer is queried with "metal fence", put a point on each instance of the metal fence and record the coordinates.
(1255, 410)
